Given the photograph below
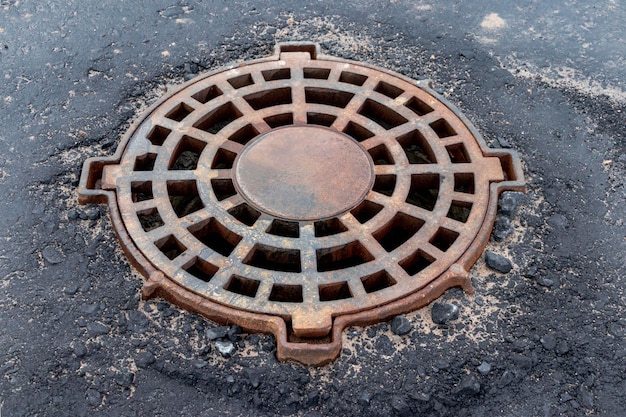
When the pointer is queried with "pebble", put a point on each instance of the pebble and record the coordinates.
(233, 333)
(503, 142)
(144, 359)
(442, 313)
(225, 348)
(562, 347)
(617, 329)
(548, 341)
(97, 329)
(93, 397)
(124, 379)
(469, 386)
(79, 349)
(400, 325)
(384, 345)
(557, 221)
(72, 214)
(502, 228)
(505, 379)
(585, 397)
(498, 262)
(365, 398)
(467, 53)
(52, 255)
(509, 202)
(484, 368)
(92, 214)
(399, 404)
(217, 333)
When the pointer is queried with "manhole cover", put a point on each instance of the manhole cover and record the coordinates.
(300, 194)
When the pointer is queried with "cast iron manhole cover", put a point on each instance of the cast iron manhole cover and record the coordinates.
(300, 194)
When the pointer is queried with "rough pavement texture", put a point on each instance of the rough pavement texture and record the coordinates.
(546, 339)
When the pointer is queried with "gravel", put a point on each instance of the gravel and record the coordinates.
(498, 262)
(443, 313)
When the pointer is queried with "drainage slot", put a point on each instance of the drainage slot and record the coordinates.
(179, 112)
(400, 229)
(320, 119)
(170, 246)
(201, 269)
(381, 155)
(244, 135)
(145, 162)
(381, 114)
(242, 285)
(442, 128)
(418, 106)
(384, 184)
(458, 154)
(184, 197)
(365, 211)
(459, 211)
(378, 281)
(424, 191)
(223, 188)
(387, 89)
(327, 96)
(341, 257)
(223, 159)
(269, 98)
(208, 94)
(216, 120)
(216, 236)
(141, 191)
(334, 291)
(277, 74)
(187, 153)
(275, 259)
(464, 183)
(286, 293)
(150, 219)
(284, 228)
(245, 214)
(443, 239)
(357, 131)
(241, 81)
(279, 120)
(352, 78)
(329, 227)
(158, 134)
(316, 73)
(417, 262)
(416, 148)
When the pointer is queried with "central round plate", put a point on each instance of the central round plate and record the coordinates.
(304, 173)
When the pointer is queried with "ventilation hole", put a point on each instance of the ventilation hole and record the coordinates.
(307, 49)
(244, 135)
(269, 98)
(217, 119)
(357, 131)
(464, 183)
(334, 291)
(216, 236)
(381, 155)
(378, 281)
(458, 154)
(418, 106)
(223, 159)
(399, 229)
(201, 269)
(388, 89)
(384, 184)
(141, 191)
(424, 191)
(286, 293)
(241, 81)
(380, 114)
(187, 153)
(223, 188)
(245, 214)
(416, 148)
(170, 246)
(284, 228)
(145, 162)
(275, 259)
(242, 285)
(158, 134)
(340, 257)
(184, 197)
(365, 211)
(179, 112)
(352, 78)
(442, 128)
(277, 74)
(459, 211)
(208, 94)
(317, 73)
(329, 227)
(320, 119)
(443, 239)
(279, 120)
(327, 96)
(150, 219)
(417, 262)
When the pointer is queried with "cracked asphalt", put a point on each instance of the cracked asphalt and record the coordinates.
(546, 338)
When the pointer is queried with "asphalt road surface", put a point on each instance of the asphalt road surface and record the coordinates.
(545, 339)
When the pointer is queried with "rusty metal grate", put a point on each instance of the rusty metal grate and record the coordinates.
(300, 194)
